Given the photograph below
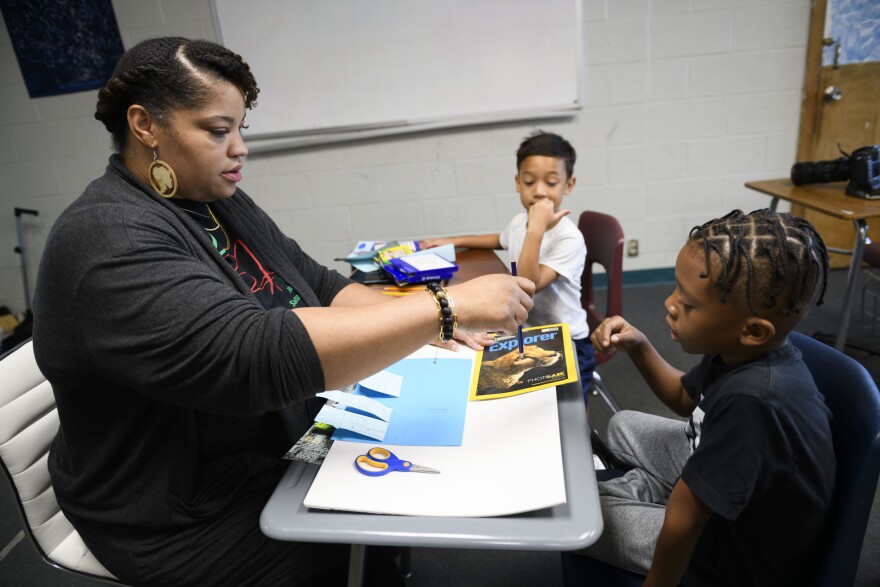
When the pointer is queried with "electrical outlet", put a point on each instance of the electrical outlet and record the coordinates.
(632, 247)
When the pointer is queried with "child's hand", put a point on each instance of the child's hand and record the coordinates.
(542, 214)
(616, 334)
(431, 243)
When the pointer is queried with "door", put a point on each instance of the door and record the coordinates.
(841, 108)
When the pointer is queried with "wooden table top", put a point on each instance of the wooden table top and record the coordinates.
(828, 198)
(476, 262)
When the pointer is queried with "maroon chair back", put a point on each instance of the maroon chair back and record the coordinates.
(872, 254)
(604, 238)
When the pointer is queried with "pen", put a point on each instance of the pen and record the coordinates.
(518, 328)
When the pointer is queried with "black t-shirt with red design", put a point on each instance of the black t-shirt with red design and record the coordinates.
(270, 289)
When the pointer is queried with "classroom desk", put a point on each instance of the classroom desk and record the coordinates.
(830, 199)
(569, 526)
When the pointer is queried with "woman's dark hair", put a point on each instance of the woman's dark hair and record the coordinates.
(776, 257)
(546, 144)
(168, 73)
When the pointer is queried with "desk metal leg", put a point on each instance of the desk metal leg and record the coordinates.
(773, 203)
(851, 278)
(356, 565)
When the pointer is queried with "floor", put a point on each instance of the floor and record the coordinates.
(21, 566)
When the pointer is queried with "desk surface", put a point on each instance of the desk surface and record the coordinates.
(828, 198)
(476, 262)
(570, 526)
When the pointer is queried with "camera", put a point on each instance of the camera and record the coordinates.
(861, 168)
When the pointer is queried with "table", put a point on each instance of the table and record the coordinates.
(476, 262)
(570, 526)
(832, 200)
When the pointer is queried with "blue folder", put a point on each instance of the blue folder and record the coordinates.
(432, 404)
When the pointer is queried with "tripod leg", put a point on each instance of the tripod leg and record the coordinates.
(21, 251)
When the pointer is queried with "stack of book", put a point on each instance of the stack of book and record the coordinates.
(401, 262)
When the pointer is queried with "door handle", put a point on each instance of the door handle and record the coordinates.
(833, 94)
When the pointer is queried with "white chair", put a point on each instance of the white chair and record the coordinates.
(28, 424)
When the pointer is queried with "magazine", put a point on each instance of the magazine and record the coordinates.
(547, 360)
(313, 446)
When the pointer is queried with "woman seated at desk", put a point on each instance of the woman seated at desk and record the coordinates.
(182, 333)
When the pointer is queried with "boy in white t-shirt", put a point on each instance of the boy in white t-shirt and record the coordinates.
(548, 248)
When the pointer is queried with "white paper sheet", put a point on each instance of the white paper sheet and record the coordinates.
(360, 402)
(372, 427)
(510, 462)
(427, 262)
(431, 352)
(445, 251)
(384, 382)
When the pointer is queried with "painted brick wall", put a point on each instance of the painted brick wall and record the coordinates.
(685, 101)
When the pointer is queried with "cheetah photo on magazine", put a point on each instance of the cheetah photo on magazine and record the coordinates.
(547, 359)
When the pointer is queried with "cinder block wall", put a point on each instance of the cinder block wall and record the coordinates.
(685, 101)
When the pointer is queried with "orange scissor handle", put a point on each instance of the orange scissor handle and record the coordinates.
(368, 466)
(380, 461)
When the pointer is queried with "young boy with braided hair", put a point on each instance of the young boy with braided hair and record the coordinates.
(739, 493)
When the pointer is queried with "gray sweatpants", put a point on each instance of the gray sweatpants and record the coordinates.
(633, 506)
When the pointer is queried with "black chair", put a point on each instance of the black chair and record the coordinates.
(854, 400)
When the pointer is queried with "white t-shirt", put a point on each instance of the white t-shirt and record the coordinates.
(562, 250)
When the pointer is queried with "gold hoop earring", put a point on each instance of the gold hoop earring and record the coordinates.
(162, 178)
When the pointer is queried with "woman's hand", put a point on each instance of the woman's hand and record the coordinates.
(492, 303)
(474, 340)
(353, 341)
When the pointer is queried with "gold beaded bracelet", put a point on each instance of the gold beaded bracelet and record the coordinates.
(446, 306)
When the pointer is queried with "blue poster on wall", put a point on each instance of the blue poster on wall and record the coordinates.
(854, 26)
(63, 46)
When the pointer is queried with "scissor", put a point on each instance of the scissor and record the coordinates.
(381, 461)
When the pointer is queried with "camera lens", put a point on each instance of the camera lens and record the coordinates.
(820, 171)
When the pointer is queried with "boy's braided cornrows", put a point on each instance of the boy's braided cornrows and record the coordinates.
(776, 256)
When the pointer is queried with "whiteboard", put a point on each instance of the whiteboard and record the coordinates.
(332, 69)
